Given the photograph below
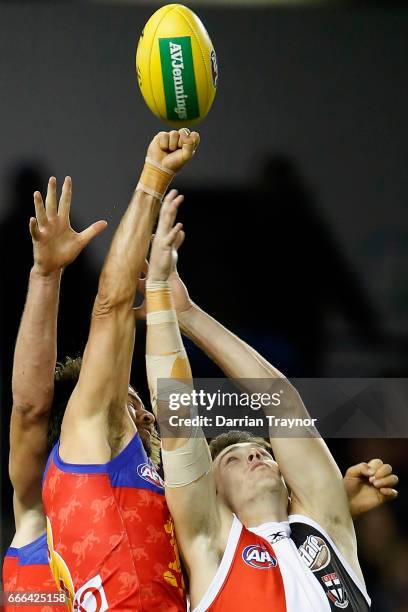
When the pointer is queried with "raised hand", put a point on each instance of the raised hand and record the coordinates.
(167, 240)
(174, 149)
(369, 485)
(55, 243)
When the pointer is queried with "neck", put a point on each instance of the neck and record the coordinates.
(265, 508)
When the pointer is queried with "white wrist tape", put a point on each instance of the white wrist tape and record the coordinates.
(156, 164)
(161, 316)
(155, 194)
(152, 285)
(188, 463)
(155, 179)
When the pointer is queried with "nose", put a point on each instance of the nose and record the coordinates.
(254, 455)
(145, 417)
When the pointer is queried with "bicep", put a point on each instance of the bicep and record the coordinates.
(105, 371)
(194, 511)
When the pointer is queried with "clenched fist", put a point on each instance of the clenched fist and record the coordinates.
(174, 149)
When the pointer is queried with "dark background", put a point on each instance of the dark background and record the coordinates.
(296, 208)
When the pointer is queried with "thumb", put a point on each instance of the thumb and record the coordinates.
(187, 151)
(93, 230)
(375, 465)
(34, 230)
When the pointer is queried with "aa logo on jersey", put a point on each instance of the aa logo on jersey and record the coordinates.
(315, 553)
(335, 591)
(149, 474)
(258, 556)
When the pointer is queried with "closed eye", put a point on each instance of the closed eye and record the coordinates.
(231, 459)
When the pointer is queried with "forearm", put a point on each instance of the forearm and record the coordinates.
(36, 345)
(120, 273)
(234, 356)
(165, 354)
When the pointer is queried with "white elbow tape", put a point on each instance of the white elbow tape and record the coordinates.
(188, 463)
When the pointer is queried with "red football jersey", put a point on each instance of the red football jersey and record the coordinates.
(111, 539)
(26, 570)
(285, 567)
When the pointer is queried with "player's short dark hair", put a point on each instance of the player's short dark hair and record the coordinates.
(234, 436)
(65, 379)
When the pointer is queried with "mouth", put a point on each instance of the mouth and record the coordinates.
(145, 432)
(257, 465)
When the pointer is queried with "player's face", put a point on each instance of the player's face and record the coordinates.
(244, 471)
(143, 419)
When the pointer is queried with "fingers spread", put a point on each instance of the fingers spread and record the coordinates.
(40, 210)
(66, 197)
(51, 198)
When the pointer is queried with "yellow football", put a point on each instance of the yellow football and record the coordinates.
(176, 66)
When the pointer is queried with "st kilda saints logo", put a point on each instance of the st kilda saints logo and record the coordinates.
(149, 474)
(335, 591)
(259, 557)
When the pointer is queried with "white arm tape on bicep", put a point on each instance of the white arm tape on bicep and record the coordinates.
(188, 463)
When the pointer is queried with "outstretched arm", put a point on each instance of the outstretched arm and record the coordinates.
(305, 462)
(55, 246)
(97, 405)
(190, 489)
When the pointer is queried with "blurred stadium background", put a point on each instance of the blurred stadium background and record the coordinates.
(300, 183)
